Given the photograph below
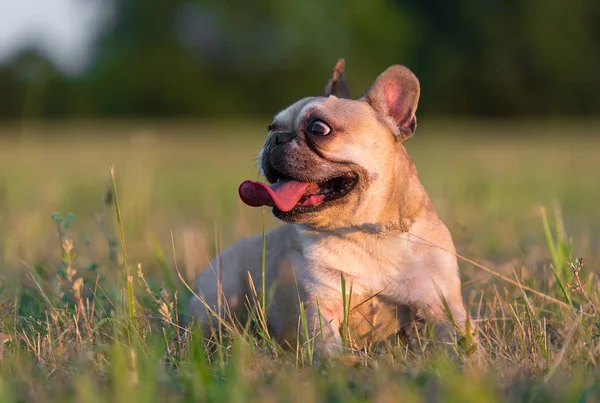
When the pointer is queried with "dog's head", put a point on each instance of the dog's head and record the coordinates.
(337, 162)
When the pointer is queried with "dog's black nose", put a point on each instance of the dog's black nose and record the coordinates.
(283, 137)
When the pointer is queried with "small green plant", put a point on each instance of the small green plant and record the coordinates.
(560, 248)
(577, 285)
(66, 244)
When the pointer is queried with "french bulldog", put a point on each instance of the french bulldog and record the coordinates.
(354, 209)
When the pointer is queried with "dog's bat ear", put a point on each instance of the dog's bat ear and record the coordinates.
(395, 95)
(337, 85)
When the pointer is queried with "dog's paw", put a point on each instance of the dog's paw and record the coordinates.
(413, 335)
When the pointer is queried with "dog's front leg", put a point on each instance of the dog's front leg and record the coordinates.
(449, 316)
(324, 327)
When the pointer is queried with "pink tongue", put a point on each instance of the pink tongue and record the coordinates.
(284, 195)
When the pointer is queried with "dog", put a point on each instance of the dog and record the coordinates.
(356, 218)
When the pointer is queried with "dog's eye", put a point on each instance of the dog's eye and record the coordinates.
(319, 128)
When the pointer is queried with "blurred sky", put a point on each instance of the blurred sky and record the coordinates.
(63, 30)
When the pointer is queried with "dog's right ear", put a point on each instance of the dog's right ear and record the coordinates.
(337, 85)
(395, 95)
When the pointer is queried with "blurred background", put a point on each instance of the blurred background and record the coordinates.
(114, 58)
(178, 94)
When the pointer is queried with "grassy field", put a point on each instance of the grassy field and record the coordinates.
(71, 330)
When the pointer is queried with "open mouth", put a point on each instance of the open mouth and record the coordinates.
(288, 193)
(328, 190)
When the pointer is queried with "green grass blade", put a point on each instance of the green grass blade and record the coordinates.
(129, 277)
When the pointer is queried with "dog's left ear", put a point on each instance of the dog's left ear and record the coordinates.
(395, 95)
(337, 85)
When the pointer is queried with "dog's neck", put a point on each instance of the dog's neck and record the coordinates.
(409, 198)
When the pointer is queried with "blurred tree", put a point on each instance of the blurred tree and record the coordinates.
(215, 57)
(10, 101)
(509, 57)
(32, 87)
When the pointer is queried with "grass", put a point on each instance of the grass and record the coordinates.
(91, 301)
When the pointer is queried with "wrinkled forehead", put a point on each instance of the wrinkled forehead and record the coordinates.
(292, 116)
(335, 111)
